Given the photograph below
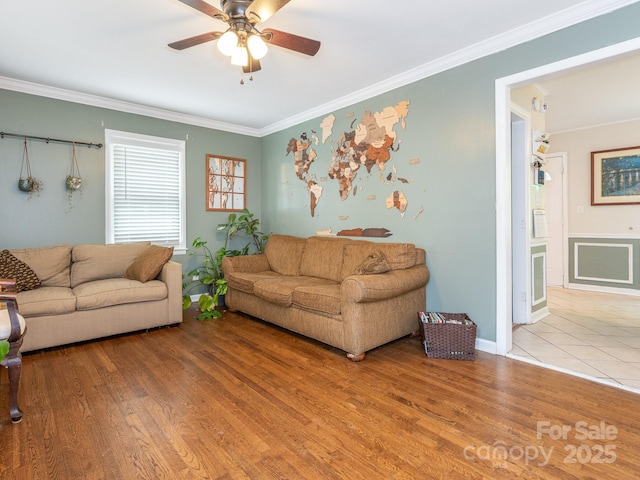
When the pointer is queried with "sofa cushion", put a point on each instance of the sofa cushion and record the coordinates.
(284, 253)
(320, 298)
(280, 290)
(244, 281)
(148, 264)
(322, 257)
(96, 262)
(11, 267)
(117, 291)
(399, 255)
(50, 264)
(46, 301)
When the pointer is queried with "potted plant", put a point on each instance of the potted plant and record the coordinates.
(209, 273)
(246, 223)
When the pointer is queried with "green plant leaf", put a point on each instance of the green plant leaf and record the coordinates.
(4, 348)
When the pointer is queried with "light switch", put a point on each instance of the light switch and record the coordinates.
(580, 208)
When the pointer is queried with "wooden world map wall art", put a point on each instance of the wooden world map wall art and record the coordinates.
(367, 145)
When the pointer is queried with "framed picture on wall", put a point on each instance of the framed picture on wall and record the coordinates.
(226, 183)
(615, 176)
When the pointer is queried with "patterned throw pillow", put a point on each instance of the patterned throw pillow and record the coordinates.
(374, 263)
(11, 267)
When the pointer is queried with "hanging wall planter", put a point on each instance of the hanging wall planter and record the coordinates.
(74, 181)
(28, 184)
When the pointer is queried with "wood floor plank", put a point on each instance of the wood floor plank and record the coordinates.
(238, 398)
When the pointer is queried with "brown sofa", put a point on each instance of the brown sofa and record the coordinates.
(310, 286)
(83, 294)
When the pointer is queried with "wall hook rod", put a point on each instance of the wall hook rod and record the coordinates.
(46, 139)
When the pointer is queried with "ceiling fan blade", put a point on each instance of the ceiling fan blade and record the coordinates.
(253, 66)
(260, 10)
(197, 40)
(205, 8)
(292, 42)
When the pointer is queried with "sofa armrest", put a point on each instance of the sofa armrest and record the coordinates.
(171, 275)
(245, 264)
(371, 288)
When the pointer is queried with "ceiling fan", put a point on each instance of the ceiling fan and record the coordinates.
(242, 41)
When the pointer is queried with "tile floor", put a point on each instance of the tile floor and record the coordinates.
(593, 334)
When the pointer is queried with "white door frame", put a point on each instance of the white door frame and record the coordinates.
(520, 165)
(503, 172)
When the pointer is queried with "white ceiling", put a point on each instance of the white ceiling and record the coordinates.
(115, 53)
(602, 94)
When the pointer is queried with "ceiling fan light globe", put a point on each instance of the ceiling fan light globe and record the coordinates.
(257, 47)
(228, 42)
(240, 57)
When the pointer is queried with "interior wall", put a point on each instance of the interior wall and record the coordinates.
(49, 217)
(451, 128)
(599, 219)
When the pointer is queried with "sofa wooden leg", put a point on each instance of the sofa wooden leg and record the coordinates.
(356, 357)
(415, 333)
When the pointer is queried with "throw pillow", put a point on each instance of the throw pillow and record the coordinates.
(374, 263)
(11, 267)
(149, 263)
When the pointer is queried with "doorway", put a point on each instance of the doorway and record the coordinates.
(504, 232)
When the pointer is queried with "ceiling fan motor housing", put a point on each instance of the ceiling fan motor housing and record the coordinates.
(235, 8)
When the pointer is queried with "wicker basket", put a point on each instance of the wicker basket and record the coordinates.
(450, 340)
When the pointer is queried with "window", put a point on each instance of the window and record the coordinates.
(145, 197)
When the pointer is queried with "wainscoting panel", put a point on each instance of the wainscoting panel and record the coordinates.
(606, 262)
(538, 277)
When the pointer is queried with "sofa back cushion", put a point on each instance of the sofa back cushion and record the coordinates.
(398, 255)
(50, 264)
(97, 262)
(284, 253)
(322, 257)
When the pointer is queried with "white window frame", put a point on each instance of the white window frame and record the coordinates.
(114, 137)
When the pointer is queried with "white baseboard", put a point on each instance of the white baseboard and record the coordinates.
(598, 288)
(486, 346)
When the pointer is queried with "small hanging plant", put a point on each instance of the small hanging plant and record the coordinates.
(74, 181)
(28, 184)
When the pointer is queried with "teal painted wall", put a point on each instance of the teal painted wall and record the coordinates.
(47, 219)
(451, 128)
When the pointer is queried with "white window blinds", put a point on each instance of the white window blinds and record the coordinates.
(145, 194)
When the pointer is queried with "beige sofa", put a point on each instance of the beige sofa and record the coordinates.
(83, 294)
(310, 286)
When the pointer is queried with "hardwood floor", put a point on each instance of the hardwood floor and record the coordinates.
(237, 398)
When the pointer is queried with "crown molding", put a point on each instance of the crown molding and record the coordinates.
(121, 106)
(566, 18)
